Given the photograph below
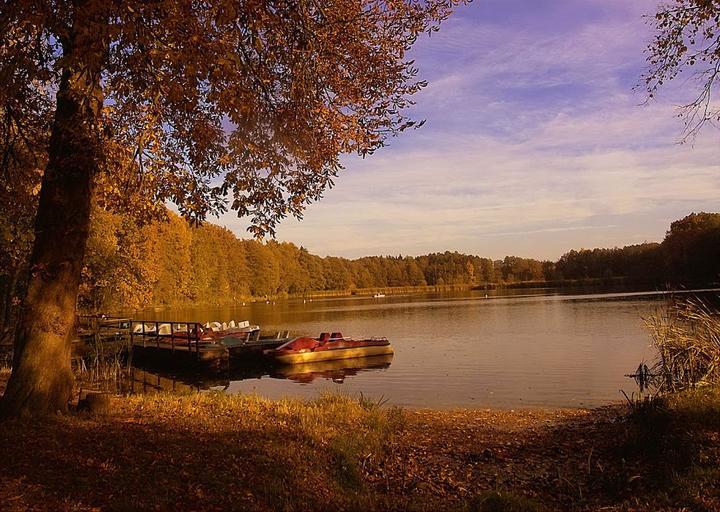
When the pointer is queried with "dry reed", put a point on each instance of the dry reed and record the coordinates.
(686, 334)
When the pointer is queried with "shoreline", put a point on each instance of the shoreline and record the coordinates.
(224, 452)
(453, 409)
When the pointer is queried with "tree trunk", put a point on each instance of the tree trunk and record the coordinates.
(42, 381)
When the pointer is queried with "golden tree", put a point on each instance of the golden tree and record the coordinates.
(209, 104)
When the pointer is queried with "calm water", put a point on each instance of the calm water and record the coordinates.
(537, 348)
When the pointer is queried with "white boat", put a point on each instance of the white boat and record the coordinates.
(232, 327)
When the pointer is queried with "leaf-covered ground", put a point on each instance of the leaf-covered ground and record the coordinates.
(218, 452)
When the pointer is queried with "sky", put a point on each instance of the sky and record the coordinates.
(535, 143)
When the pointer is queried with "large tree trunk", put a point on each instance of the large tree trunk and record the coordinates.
(42, 380)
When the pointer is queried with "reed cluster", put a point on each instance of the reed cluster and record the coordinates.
(102, 364)
(686, 334)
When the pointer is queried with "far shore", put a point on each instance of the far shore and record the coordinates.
(596, 284)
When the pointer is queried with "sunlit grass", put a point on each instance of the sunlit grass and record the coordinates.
(342, 433)
(696, 408)
(227, 451)
(331, 418)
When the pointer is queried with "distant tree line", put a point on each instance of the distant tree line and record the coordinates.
(690, 253)
(174, 263)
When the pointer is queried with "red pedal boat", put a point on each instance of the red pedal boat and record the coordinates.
(326, 347)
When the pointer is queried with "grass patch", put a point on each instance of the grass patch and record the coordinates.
(675, 438)
(202, 451)
(697, 408)
(503, 502)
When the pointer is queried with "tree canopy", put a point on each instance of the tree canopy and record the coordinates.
(203, 101)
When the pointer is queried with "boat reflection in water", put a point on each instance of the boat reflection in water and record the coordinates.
(335, 370)
(144, 380)
(149, 379)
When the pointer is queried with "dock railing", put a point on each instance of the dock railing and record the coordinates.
(176, 334)
(102, 326)
(100, 345)
(100, 329)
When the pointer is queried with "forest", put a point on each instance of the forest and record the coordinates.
(173, 262)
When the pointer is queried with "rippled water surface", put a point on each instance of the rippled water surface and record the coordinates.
(538, 348)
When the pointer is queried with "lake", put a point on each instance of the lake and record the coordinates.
(527, 348)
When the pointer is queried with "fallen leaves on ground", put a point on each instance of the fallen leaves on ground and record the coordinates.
(218, 452)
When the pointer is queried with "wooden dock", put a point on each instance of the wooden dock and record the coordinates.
(100, 336)
(170, 343)
(185, 343)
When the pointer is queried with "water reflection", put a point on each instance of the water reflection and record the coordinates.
(336, 371)
(526, 348)
(149, 379)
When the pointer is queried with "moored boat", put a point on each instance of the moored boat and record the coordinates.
(327, 347)
(212, 342)
(194, 331)
(226, 328)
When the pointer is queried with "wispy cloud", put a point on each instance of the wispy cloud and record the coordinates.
(535, 144)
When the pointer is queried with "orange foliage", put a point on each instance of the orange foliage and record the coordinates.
(205, 104)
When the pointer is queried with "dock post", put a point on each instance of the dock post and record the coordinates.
(131, 348)
(197, 343)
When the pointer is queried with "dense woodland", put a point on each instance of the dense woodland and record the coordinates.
(174, 262)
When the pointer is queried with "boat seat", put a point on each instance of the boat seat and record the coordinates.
(231, 325)
(325, 336)
(336, 336)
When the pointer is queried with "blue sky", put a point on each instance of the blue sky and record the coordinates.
(535, 143)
